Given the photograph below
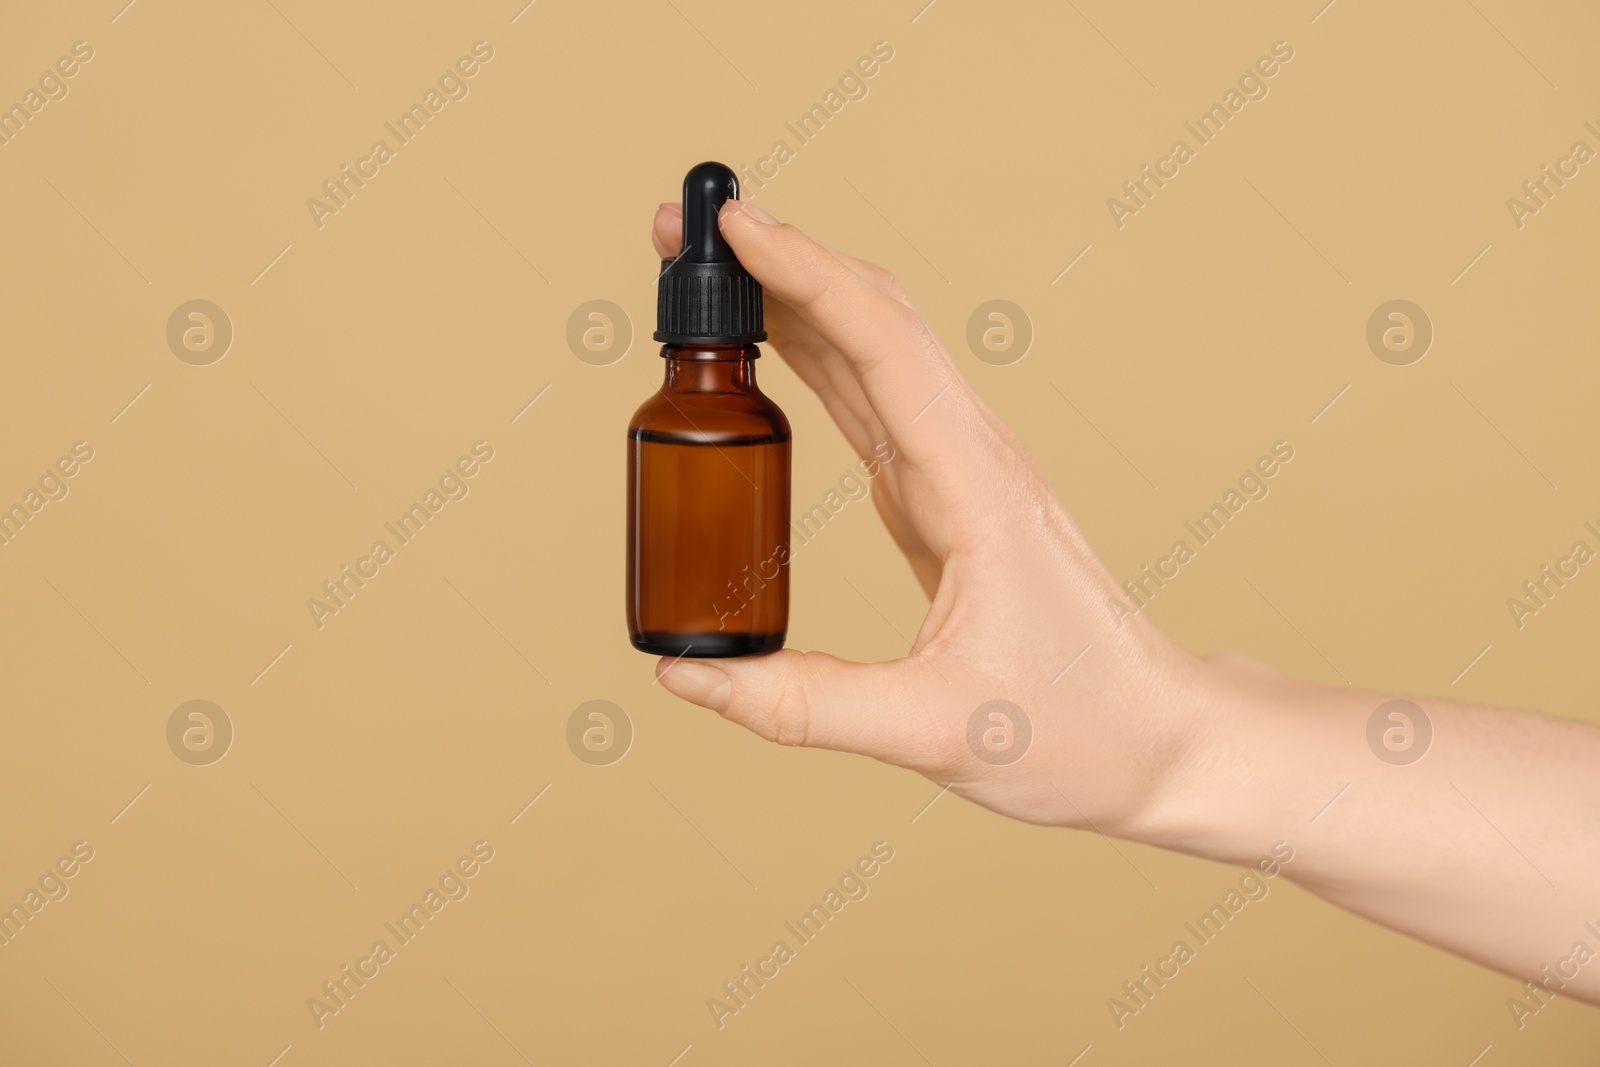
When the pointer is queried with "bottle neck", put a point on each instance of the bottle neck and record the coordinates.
(710, 368)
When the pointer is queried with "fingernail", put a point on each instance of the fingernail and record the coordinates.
(698, 683)
(673, 206)
(747, 207)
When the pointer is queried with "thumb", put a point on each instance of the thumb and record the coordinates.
(814, 699)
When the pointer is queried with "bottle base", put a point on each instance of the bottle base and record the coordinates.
(711, 645)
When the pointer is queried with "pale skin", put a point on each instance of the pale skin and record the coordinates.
(1488, 846)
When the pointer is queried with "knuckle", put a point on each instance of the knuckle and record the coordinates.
(791, 712)
(782, 714)
(886, 281)
(820, 277)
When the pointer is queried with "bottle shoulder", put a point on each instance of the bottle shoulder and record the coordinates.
(709, 417)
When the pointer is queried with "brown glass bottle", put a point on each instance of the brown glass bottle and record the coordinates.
(708, 457)
(708, 509)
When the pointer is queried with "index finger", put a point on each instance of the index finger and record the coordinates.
(908, 378)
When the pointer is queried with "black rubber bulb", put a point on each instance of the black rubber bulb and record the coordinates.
(705, 189)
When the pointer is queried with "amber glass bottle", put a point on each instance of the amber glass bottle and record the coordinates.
(708, 459)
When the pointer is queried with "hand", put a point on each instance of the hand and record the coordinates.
(1016, 594)
(1218, 757)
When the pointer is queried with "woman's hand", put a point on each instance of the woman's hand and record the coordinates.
(1021, 611)
(1488, 847)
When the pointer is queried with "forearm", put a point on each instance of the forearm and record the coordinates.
(1488, 844)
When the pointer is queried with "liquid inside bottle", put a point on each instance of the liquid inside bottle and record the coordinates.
(708, 510)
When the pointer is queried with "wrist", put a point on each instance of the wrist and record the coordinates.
(1217, 795)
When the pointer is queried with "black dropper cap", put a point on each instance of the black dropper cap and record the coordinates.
(705, 296)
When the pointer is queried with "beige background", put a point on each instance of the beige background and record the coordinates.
(425, 316)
